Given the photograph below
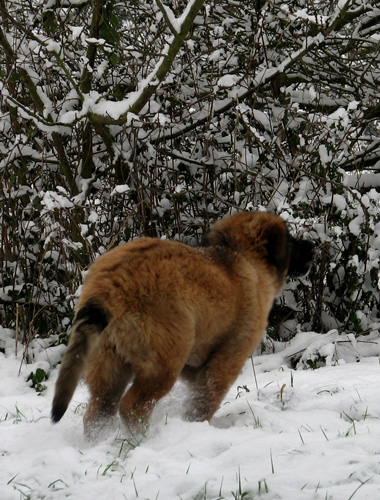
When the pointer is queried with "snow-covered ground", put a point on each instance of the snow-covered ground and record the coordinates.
(280, 434)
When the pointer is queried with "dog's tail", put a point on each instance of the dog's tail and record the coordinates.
(89, 322)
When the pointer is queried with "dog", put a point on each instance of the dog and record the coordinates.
(154, 310)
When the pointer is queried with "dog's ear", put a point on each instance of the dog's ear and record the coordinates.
(302, 255)
(276, 239)
(215, 238)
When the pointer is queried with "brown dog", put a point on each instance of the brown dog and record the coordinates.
(153, 310)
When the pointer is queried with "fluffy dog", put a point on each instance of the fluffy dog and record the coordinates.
(153, 310)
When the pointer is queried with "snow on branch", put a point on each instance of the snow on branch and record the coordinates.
(111, 112)
(267, 75)
(169, 17)
(57, 4)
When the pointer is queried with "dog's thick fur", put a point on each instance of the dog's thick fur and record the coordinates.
(153, 310)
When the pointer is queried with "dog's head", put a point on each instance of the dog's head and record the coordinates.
(264, 237)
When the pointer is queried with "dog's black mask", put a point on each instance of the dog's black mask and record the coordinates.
(301, 257)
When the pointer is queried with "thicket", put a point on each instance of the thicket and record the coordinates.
(121, 119)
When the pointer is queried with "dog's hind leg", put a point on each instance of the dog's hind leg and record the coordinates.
(107, 379)
(158, 365)
(137, 404)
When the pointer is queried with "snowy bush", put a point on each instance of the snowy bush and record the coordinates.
(143, 118)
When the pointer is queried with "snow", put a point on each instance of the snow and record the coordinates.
(174, 22)
(93, 102)
(315, 19)
(324, 155)
(362, 179)
(182, 18)
(227, 81)
(340, 202)
(280, 434)
(76, 31)
(355, 225)
(52, 46)
(120, 189)
(340, 116)
(342, 4)
(52, 200)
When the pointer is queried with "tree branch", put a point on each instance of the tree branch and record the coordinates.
(168, 14)
(85, 79)
(266, 75)
(137, 100)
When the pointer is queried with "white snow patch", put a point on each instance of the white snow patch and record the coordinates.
(120, 189)
(53, 200)
(355, 225)
(52, 46)
(324, 155)
(279, 434)
(312, 18)
(227, 81)
(340, 202)
(339, 116)
(76, 31)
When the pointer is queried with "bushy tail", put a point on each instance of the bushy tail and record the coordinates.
(89, 322)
